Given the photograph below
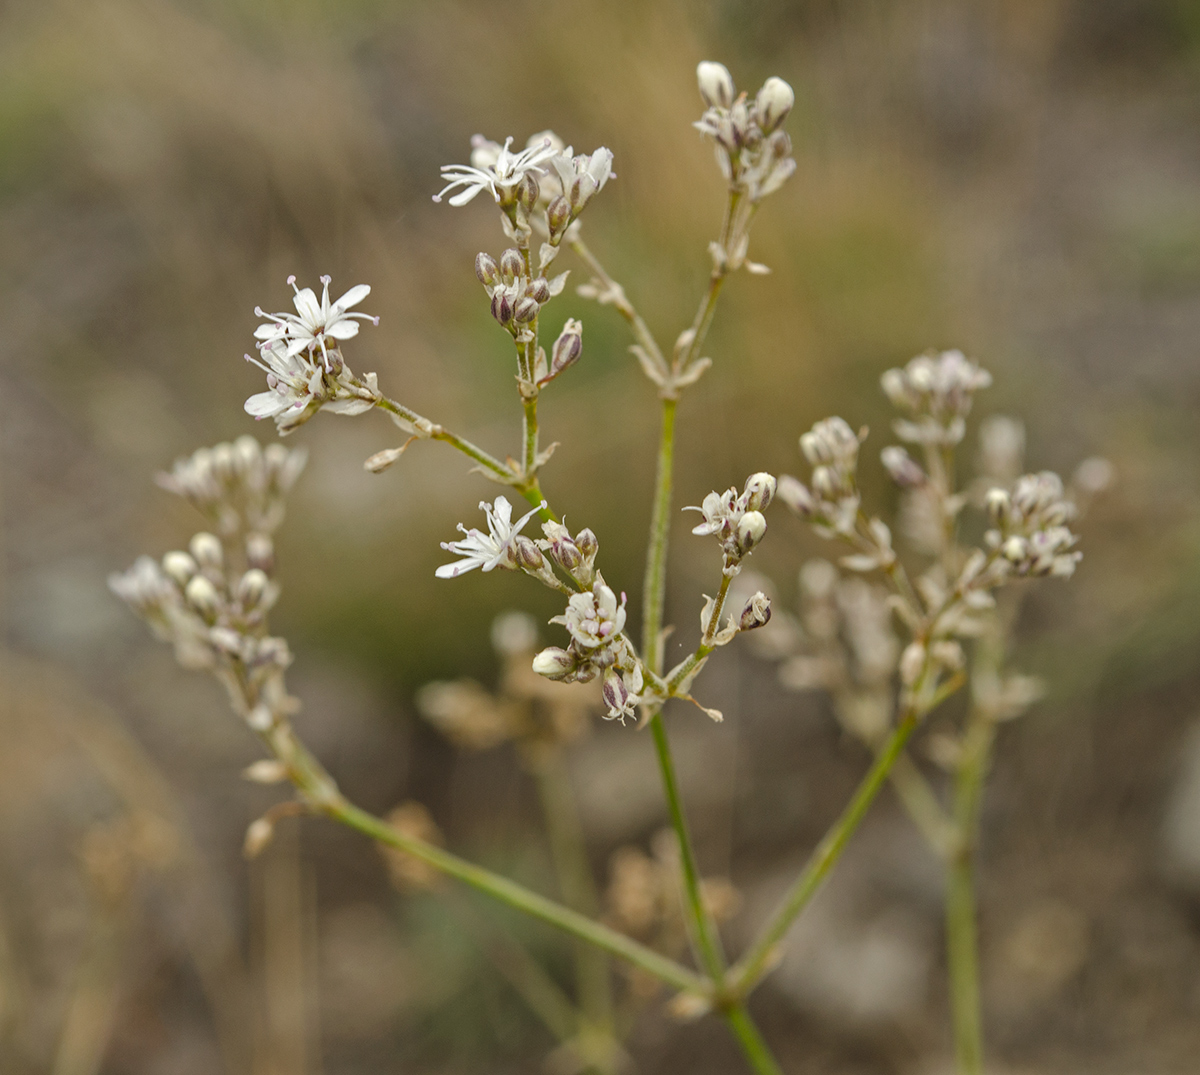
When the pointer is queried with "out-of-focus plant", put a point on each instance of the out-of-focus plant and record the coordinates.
(212, 601)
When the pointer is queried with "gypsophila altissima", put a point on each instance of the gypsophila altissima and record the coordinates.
(890, 631)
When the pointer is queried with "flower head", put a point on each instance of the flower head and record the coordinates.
(313, 323)
(298, 387)
(495, 168)
(493, 549)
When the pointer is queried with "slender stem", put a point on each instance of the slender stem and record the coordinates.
(615, 294)
(531, 437)
(755, 963)
(751, 1041)
(655, 585)
(519, 897)
(436, 432)
(575, 882)
(680, 674)
(922, 805)
(961, 941)
(703, 929)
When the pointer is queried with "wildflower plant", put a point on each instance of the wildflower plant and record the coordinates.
(891, 649)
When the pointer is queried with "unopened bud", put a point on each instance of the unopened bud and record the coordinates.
(587, 544)
(260, 552)
(202, 596)
(1015, 549)
(558, 216)
(554, 663)
(948, 653)
(528, 192)
(525, 310)
(614, 691)
(266, 771)
(750, 530)
(759, 491)
(487, 270)
(756, 613)
(794, 493)
(568, 347)
(179, 566)
(904, 470)
(260, 718)
(206, 548)
(997, 503)
(566, 553)
(502, 309)
(512, 265)
(774, 102)
(912, 661)
(716, 84)
(251, 587)
(539, 290)
(258, 835)
(528, 555)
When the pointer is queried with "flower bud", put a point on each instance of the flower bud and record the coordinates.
(525, 310)
(568, 347)
(904, 470)
(759, 491)
(912, 661)
(615, 693)
(502, 309)
(528, 555)
(997, 504)
(773, 103)
(794, 493)
(179, 566)
(487, 270)
(528, 192)
(202, 596)
(750, 530)
(258, 835)
(251, 588)
(948, 653)
(554, 663)
(558, 216)
(716, 84)
(539, 290)
(756, 613)
(1015, 549)
(266, 771)
(512, 265)
(587, 544)
(260, 552)
(566, 554)
(207, 550)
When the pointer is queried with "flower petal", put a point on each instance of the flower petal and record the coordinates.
(353, 297)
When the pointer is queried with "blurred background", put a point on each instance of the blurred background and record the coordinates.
(1018, 178)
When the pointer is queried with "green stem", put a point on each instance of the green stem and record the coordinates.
(436, 432)
(751, 1041)
(680, 675)
(703, 929)
(575, 882)
(519, 897)
(756, 962)
(922, 806)
(961, 940)
(655, 585)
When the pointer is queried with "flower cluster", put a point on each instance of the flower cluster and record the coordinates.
(212, 612)
(546, 176)
(832, 504)
(1030, 528)
(301, 356)
(237, 486)
(753, 152)
(936, 392)
(737, 520)
(595, 621)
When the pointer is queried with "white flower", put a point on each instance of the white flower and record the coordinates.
(313, 322)
(297, 387)
(595, 618)
(493, 549)
(494, 168)
(583, 176)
